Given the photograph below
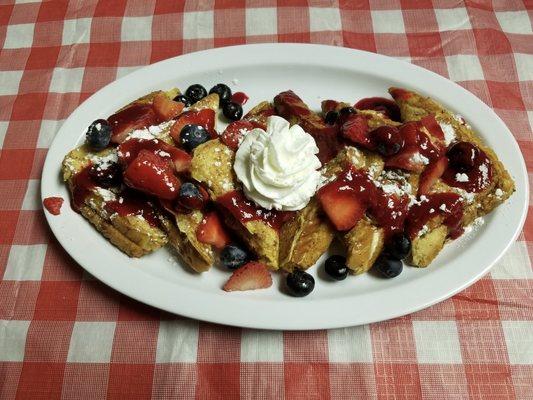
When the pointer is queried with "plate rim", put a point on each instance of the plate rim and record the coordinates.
(133, 289)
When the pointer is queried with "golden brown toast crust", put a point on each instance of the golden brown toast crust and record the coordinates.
(414, 107)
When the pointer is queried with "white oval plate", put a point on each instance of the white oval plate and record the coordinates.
(315, 73)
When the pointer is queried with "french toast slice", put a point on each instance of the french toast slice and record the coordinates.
(414, 107)
(212, 165)
(132, 234)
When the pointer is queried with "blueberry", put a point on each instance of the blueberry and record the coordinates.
(98, 134)
(331, 117)
(195, 92)
(233, 257)
(192, 136)
(232, 111)
(191, 196)
(300, 283)
(389, 267)
(347, 111)
(223, 91)
(106, 176)
(336, 267)
(398, 246)
(183, 99)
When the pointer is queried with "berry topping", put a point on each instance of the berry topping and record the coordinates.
(98, 134)
(388, 267)
(240, 98)
(235, 132)
(385, 106)
(211, 231)
(195, 92)
(128, 150)
(433, 127)
(232, 257)
(463, 156)
(251, 276)
(223, 91)
(192, 136)
(345, 113)
(153, 175)
(430, 175)
(343, 207)
(355, 129)
(336, 267)
(387, 140)
(331, 117)
(300, 283)
(192, 197)
(232, 110)
(398, 246)
(165, 108)
(107, 175)
(53, 205)
(136, 116)
(205, 118)
(183, 99)
(469, 168)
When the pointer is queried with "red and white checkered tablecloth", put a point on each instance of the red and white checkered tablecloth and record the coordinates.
(65, 335)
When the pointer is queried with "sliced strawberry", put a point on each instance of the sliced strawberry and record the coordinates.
(212, 232)
(165, 108)
(380, 104)
(128, 151)
(136, 116)
(341, 204)
(328, 105)
(356, 130)
(400, 94)
(53, 205)
(234, 133)
(151, 174)
(433, 127)
(205, 118)
(430, 175)
(409, 160)
(251, 276)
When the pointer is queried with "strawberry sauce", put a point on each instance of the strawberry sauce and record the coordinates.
(245, 210)
(130, 203)
(136, 116)
(449, 206)
(473, 180)
(133, 204)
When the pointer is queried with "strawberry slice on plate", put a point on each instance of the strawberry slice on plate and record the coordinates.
(211, 231)
(153, 175)
(341, 204)
(165, 108)
(128, 151)
(204, 118)
(235, 132)
(380, 104)
(430, 175)
(251, 276)
(136, 116)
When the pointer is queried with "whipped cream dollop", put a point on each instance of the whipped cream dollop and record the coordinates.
(278, 167)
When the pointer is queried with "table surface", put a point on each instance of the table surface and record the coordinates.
(66, 335)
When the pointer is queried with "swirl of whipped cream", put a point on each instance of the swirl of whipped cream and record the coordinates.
(278, 167)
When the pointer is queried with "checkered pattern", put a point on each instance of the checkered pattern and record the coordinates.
(64, 335)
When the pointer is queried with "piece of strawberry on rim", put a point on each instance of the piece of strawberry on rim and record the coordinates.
(251, 276)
